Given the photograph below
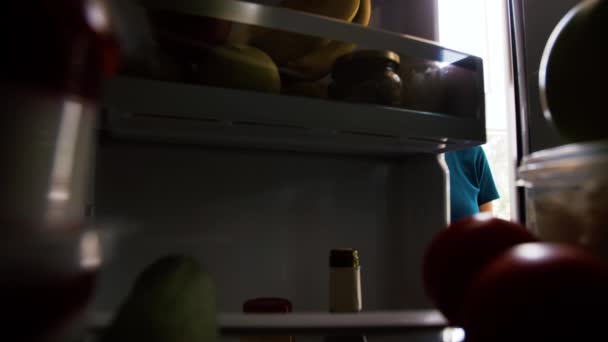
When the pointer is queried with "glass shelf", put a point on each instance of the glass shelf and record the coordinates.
(175, 112)
(317, 323)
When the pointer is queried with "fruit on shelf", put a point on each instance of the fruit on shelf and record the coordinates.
(457, 253)
(339, 9)
(239, 66)
(284, 47)
(572, 73)
(368, 76)
(318, 63)
(538, 292)
(172, 300)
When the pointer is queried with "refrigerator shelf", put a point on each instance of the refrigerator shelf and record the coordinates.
(314, 323)
(309, 24)
(183, 113)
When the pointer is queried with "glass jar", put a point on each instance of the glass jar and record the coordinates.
(422, 85)
(367, 76)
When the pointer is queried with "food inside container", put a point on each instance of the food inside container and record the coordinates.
(567, 191)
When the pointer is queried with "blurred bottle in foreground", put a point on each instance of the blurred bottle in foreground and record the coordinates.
(54, 62)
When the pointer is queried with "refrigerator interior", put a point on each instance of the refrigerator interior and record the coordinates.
(260, 187)
(262, 223)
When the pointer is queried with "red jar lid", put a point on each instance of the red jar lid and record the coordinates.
(267, 305)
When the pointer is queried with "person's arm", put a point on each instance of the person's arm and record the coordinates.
(487, 188)
(486, 207)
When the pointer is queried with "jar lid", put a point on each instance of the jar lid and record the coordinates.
(572, 160)
(267, 305)
(344, 257)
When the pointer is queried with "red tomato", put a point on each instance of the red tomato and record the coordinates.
(538, 292)
(458, 252)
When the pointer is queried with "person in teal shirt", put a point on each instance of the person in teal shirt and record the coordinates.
(472, 187)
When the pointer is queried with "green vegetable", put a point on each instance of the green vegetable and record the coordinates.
(172, 300)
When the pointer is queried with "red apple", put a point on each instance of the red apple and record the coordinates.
(455, 255)
(538, 292)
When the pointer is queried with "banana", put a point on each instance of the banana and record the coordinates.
(318, 64)
(339, 9)
(285, 46)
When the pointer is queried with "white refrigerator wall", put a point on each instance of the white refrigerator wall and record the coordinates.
(262, 223)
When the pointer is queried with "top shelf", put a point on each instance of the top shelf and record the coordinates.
(315, 25)
(173, 111)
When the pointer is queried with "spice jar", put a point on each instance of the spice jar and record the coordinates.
(367, 76)
(345, 289)
(344, 280)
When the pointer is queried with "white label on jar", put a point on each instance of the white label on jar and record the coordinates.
(345, 289)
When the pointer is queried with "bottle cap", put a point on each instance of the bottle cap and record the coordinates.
(267, 305)
(344, 257)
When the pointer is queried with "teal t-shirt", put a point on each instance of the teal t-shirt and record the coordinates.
(471, 181)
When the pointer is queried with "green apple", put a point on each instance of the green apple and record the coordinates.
(573, 73)
(239, 66)
(172, 300)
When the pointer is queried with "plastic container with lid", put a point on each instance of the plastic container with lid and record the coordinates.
(567, 190)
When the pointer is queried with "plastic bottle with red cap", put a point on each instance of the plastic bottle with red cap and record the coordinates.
(268, 305)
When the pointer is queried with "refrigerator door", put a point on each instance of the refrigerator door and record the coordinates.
(533, 22)
(531, 25)
(263, 223)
